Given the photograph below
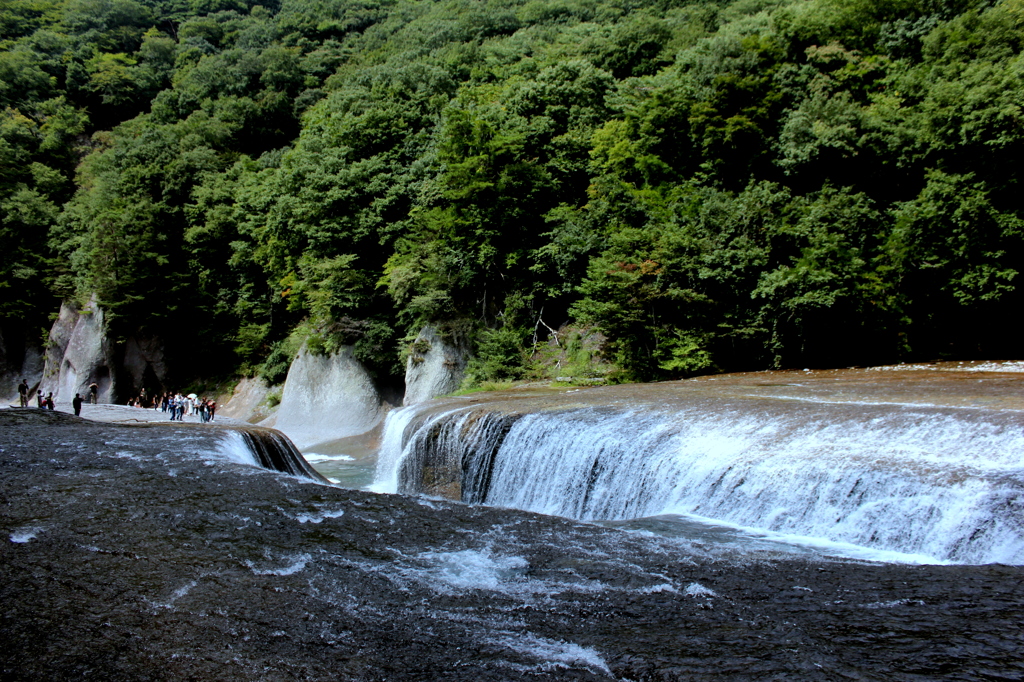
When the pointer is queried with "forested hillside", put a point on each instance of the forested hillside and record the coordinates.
(712, 185)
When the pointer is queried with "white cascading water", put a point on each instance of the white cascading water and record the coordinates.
(394, 449)
(937, 483)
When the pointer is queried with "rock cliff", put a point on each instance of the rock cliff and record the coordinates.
(324, 398)
(327, 397)
(435, 367)
(248, 401)
(80, 352)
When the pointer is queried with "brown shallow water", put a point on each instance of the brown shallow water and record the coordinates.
(947, 385)
(135, 553)
(943, 385)
(924, 463)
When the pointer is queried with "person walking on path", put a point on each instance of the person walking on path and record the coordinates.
(94, 392)
(23, 393)
(77, 404)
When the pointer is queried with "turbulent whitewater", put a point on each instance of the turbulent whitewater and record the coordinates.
(159, 552)
(936, 478)
(269, 449)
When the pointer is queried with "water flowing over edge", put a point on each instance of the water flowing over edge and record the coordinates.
(268, 449)
(930, 484)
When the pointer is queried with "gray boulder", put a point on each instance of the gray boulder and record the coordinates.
(327, 397)
(248, 401)
(435, 367)
(78, 354)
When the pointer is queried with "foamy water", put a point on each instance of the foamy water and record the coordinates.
(317, 458)
(26, 534)
(393, 448)
(894, 483)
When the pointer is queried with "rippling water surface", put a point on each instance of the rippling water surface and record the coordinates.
(915, 466)
(162, 552)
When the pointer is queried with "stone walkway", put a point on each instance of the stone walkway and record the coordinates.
(123, 414)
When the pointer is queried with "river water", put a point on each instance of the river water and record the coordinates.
(162, 552)
(917, 466)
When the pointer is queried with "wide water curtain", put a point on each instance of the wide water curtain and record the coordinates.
(927, 482)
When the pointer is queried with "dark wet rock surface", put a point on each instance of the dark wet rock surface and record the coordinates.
(139, 553)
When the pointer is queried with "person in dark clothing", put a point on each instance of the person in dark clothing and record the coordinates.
(40, 400)
(77, 404)
(23, 393)
(49, 402)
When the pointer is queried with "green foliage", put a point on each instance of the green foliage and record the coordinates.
(275, 368)
(499, 356)
(683, 355)
(250, 340)
(573, 355)
(483, 386)
(112, 77)
(501, 352)
(820, 294)
(713, 186)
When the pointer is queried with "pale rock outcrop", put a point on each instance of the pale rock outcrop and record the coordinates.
(78, 354)
(435, 367)
(327, 397)
(248, 401)
(57, 342)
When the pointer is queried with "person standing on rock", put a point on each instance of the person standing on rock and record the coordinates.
(40, 400)
(94, 392)
(49, 401)
(77, 404)
(23, 393)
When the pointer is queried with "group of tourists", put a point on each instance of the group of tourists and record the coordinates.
(47, 402)
(44, 403)
(177, 405)
(181, 406)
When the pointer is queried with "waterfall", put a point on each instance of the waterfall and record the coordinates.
(942, 483)
(392, 450)
(269, 449)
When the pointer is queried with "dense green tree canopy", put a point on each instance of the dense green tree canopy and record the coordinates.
(713, 185)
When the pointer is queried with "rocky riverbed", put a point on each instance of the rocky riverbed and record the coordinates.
(144, 552)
